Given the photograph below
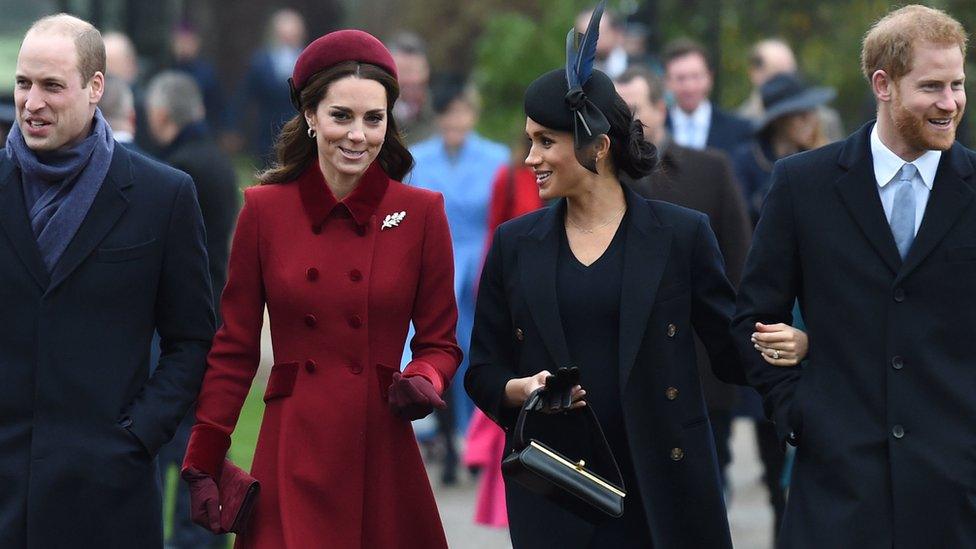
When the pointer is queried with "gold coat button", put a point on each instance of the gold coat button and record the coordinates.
(677, 454)
(671, 393)
(519, 334)
(672, 329)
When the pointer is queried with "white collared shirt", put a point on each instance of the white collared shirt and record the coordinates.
(886, 167)
(691, 129)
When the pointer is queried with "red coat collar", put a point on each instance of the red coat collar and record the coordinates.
(318, 200)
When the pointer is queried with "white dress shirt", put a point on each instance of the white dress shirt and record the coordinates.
(886, 167)
(691, 129)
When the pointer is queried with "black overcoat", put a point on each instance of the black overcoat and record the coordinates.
(673, 286)
(81, 418)
(884, 414)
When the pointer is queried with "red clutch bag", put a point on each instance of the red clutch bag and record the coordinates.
(238, 494)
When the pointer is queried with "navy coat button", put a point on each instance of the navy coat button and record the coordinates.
(898, 363)
(310, 320)
(310, 366)
(899, 295)
(898, 431)
(677, 454)
(519, 334)
(671, 393)
(672, 330)
(312, 274)
(355, 275)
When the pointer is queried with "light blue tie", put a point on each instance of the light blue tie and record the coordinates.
(903, 210)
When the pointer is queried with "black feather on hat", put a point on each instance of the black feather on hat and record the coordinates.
(575, 99)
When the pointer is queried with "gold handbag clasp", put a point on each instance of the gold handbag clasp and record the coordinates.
(580, 465)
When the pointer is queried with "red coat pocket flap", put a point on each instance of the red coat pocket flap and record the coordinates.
(281, 382)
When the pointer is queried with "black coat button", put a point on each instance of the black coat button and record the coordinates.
(312, 274)
(672, 329)
(899, 295)
(897, 363)
(310, 366)
(898, 431)
(355, 275)
(310, 320)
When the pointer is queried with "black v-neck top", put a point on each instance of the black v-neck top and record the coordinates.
(589, 307)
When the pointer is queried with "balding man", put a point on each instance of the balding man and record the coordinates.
(176, 113)
(99, 248)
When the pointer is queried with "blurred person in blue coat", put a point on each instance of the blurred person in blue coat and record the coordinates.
(460, 164)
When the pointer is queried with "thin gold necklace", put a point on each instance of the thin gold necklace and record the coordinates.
(600, 226)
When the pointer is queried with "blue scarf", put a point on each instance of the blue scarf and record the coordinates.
(60, 186)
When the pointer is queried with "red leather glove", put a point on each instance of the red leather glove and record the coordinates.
(204, 500)
(413, 397)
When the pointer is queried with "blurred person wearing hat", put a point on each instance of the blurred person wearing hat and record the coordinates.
(616, 285)
(345, 257)
(773, 56)
(101, 248)
(789, 125)
(874, 235)
(261, 100)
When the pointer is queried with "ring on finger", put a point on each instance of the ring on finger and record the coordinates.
(775, 354)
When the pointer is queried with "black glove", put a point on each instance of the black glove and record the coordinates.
(558, 393)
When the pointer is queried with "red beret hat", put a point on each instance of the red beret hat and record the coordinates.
(334, 48)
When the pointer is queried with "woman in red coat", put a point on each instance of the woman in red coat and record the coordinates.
(344, 256)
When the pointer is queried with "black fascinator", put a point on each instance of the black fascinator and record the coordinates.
(573, 99)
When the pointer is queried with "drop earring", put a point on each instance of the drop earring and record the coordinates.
(311, 132)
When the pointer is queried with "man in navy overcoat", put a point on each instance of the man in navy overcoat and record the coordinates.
(99, 247)
(876, 237)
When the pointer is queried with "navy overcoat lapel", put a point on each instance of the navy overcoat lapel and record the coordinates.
(646, 252)
(105, 211)
(950, 196)
(538, 253)
(13, 219)
(858, 190)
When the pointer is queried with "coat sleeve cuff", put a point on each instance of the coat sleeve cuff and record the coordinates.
(427, 371)
(207, 449)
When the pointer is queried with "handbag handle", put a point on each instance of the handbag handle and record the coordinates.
(604, 446)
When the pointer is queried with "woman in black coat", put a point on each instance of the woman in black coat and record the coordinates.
(614, 284)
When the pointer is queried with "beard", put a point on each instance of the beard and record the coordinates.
(914, 129)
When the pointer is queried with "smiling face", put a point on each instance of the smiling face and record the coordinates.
(925, 106)
(53, 109)
(552, 157)
(350, 125)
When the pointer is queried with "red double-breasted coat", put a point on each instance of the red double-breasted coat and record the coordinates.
(341, 281)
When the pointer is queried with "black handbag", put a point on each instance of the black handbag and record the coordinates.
(561, 480)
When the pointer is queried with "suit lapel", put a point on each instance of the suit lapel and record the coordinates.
(13, 219)
(645, 256)
(538, 254)
(106, 209)
(950, 196)
(858, 190)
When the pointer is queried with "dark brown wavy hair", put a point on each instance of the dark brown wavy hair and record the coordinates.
(293, 148)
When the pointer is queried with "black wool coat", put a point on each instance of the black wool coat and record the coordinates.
(81, 419)
(883, 413)
(673, 286)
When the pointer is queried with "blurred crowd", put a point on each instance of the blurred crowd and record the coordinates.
(713, 159)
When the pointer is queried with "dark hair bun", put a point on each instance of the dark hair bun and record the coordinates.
(641, 154)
